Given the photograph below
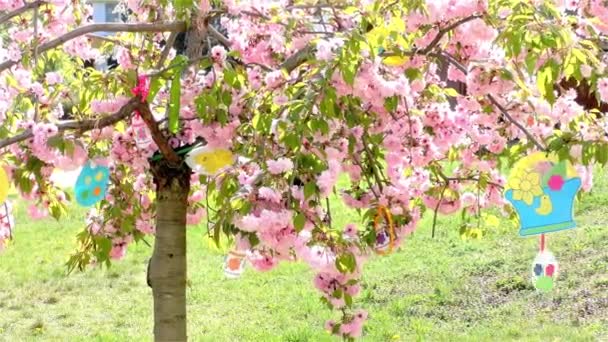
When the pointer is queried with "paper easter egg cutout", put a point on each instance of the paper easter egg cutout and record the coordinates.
(544, 271)
(385, 232)
(92, 184)
(4, 185)
(140, 130)
(209, 161)
(234, 265)
(542, 189)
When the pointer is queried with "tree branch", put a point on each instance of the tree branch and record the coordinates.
(177, 26)
(218, 35)
(158, 137)
(10, 15)
(169, 45)
(445, 30)
(297, 58)
(82, 125)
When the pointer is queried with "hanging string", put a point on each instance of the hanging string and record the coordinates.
(542, 242)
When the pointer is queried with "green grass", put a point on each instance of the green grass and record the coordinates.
(441, 289)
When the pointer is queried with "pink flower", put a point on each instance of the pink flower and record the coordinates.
(53, 78)
(124, 58)
(218, 53)
(279, 166)
(274, 79)
(269, 194)
(36, 213)
(262, 261)
(351, 230)
(144, 226)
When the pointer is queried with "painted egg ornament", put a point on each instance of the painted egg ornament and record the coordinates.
(4, 185)
(92, 184)
(234, 265)
(544, 271)
(385, 231)
(209, 161)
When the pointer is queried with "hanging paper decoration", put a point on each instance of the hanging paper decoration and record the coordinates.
(4, 185)
(6, 223)
(541, 189)
(544, 271)
(234, 265)
(385, 231)
(91, 184)
(142, 136)
(209, 161)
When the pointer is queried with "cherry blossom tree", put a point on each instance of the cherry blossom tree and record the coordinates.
(421, 105)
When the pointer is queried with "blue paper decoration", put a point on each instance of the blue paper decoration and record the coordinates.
(542, 189)
(92, 184)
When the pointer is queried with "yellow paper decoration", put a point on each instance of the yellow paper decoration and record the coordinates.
(4, 185)
(209, 161)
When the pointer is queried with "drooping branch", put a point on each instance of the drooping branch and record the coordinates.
(493, 100)
(158, 136)
(80, 125)
(177, 26)
(10, 15)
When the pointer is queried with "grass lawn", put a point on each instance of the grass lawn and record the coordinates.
(432, 289)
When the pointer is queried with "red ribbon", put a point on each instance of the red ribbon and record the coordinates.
(143, 87)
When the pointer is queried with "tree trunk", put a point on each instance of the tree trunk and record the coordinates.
(168, 267)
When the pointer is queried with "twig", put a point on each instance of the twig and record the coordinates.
(166, 50)
(177, 26)
(437, 209)
(445, 30)
(328, 211)
(513, 121)
(218, 35)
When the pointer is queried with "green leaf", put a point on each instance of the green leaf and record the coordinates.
(299, 221)
(174, 104)
(180, 63)
(346, 263)
(182, 5)
(292, 140)
(546, 78)
(348, 299)
(601, 154)
(309, 190)
(155, 85)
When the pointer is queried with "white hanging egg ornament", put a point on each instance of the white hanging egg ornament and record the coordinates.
(209, 161)
(544, 271)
